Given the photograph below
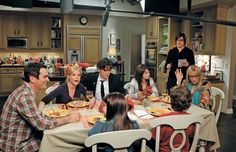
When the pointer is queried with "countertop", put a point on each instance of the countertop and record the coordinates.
(11, 65)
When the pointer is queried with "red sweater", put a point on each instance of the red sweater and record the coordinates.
(167, 131)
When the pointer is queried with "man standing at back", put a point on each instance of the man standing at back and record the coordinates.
(21, 123)
(103, 82)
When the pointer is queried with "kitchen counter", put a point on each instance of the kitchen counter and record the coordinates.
(11, 65)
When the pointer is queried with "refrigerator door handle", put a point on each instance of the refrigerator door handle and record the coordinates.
(82, 48)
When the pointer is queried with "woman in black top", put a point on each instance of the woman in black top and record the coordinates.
(179, 57)
(68, 91)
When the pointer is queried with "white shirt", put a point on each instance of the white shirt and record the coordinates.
(98, 95)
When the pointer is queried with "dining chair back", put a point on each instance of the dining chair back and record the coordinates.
(51, 88)
(217, 103)
(126, 87)
(179, 123)
(119, 140)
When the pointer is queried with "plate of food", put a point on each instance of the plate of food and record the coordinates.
(153, 98)
(56, 113)
(78, 104)
(158, 111)
(94, 118)
(166, 99)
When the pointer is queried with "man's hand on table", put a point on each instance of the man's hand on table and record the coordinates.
(92, 103)
(74, 116)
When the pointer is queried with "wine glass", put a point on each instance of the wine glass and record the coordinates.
(89, 94)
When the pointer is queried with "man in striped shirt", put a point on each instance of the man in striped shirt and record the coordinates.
(20, 121)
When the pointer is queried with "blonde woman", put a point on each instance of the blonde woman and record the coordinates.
(68, 91)
(199, 88)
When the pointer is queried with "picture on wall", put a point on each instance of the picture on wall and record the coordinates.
(112, 39)
(219, 74)
(217, 62)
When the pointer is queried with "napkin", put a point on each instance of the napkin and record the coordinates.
(143, 114)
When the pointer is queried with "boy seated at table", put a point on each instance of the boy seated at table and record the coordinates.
(180, 103)
(116, 119)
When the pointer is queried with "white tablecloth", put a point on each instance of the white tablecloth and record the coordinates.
(71, 137)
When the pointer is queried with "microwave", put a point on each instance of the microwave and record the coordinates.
(17, 42)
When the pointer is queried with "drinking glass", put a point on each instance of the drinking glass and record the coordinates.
(89, 94)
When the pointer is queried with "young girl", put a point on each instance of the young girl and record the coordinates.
(142, 84)
(116, 118)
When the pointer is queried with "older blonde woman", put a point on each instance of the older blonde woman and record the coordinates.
(200, 88)
(68, 91)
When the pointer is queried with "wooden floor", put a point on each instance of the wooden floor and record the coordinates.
(226, 128)
(227, 132)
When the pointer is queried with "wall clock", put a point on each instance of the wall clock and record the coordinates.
(83, 20)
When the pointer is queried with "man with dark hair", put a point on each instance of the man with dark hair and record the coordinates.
(103, 82)
(21, 123)
(180, 57)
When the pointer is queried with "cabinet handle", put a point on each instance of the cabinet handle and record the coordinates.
(18, 32)
(41, 43)
(37, 43)
(14, 32)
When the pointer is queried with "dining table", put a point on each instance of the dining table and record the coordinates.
(71, 137)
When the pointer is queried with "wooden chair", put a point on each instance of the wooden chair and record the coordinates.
(179, 123)
(217, 103)
(119, 140)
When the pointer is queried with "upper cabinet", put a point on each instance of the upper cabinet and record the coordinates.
(1, 31)
(151, 27)
(56, 32)
(17, 25)
(206, 37)
(39, 32)
(220, 31)
(167, 29)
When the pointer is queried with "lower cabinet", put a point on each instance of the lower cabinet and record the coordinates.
(10, 79)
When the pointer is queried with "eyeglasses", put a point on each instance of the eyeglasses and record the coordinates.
(180, 40)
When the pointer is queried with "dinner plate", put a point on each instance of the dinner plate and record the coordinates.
(56, 113)
(166, 99)
(153, 98)
(94, 118)
(158, 111)
(78, 104)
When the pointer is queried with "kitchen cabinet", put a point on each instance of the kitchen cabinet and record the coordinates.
(151, 27)
(56, 32)
(10, 79)
(168, 29)
(208, 38)
(220, 31)
(92, 49)
(2, 31)
(39, 32)
(17, 25)
(85, 40)
(74, 42)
